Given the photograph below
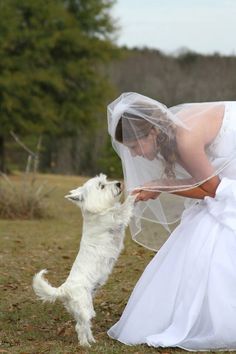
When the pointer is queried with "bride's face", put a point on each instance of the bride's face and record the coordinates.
(146, 147)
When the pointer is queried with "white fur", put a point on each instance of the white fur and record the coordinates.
(105, 219)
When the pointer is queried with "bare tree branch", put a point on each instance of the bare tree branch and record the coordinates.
(22, 144)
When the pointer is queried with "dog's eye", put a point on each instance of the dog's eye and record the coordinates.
(102, 186)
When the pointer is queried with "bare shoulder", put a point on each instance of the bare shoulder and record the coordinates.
(202, 127)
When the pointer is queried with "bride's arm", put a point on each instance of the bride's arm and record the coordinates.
(195, 161)
(198, 192)
(195, 193)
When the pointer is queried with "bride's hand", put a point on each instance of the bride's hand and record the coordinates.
(143, 195)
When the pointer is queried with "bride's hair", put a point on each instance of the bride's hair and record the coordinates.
(133, 127)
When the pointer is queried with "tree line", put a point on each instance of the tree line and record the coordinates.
(60, 67)
(50, 68)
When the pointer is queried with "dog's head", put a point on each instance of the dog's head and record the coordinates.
(97, 194)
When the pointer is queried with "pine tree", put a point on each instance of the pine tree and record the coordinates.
(50, 54)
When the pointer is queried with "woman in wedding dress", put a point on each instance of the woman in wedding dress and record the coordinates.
(180, 160)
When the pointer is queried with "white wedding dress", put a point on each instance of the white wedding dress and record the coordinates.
(186, 296)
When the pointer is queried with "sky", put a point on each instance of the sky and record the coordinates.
(203, 26)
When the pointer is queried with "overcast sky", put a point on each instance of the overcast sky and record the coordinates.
(204, 26)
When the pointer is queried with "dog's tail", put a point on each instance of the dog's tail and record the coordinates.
(43, 289)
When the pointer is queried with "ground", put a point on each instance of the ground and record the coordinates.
(29, 326)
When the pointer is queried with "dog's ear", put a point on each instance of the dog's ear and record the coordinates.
(102, 176)
(76, 195)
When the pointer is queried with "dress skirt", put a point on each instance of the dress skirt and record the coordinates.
(186, 296)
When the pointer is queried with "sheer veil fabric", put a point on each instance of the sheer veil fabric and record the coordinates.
(147, 137)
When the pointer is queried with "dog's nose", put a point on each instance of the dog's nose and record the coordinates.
(118, 184)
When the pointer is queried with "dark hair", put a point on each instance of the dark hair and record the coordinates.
(132, 127)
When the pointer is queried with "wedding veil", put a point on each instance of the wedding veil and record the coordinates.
(143, 133)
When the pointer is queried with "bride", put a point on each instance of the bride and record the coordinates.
(180, 162)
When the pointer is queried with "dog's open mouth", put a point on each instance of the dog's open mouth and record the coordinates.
(119, 192)
(120, 188)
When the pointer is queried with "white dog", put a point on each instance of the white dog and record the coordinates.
(105, 219)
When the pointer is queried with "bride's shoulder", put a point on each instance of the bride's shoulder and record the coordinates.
(202, 123)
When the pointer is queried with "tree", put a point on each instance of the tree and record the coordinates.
(50, 54)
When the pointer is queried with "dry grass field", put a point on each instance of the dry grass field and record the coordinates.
(29, 326)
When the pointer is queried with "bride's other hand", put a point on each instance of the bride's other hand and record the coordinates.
(142, 195)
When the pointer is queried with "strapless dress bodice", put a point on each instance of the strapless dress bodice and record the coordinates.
(222, 151)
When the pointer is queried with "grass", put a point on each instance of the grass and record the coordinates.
(29, 326)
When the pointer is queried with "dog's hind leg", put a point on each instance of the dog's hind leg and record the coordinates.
(83, 312)
(84, 332)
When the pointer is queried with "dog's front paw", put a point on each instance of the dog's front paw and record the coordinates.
(130, 199)
(127, 209)
(129, 202)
